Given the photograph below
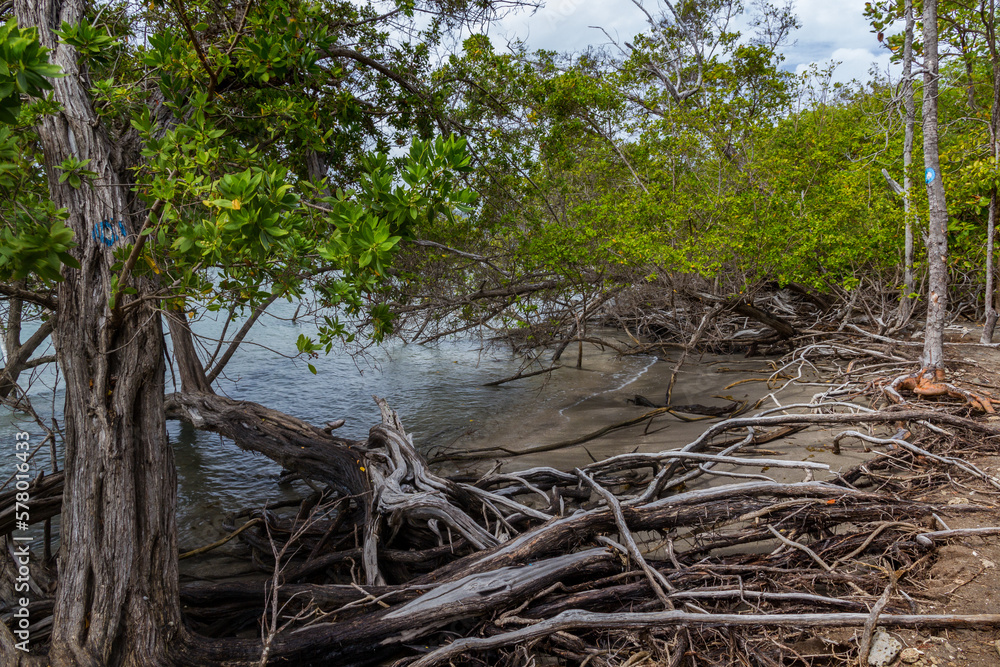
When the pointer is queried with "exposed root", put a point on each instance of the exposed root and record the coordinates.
(926, 383)
(632, 559)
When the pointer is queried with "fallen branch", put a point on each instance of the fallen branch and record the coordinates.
(801, 547)
(658, 583)
(927, 539)
(520, 376)
(219, 543)
(964, 466)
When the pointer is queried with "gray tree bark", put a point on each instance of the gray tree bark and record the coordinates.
(117, 599)
(991, 296)
(909, 106)
(937, 235)
(192, 371)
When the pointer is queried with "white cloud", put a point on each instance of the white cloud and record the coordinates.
(835, 31)
(565, 25)
(830, 31)
(853, 64)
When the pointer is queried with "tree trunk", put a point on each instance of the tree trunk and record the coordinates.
(991, 312)
(12, 336)
(117, 599)
(193, 378)
(909, 285)
(292, 442)
(937, 238)
(780, 326)
(992, 296)
(18, 353)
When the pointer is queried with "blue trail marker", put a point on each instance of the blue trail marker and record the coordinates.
(106, 233)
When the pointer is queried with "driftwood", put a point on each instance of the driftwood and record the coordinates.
(481, 584)
(927, 539)
(295, 444)
(782, 327)
(746, 307)
(387, 555)
(489, 575)
(694, 409)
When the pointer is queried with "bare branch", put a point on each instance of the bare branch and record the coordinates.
(28, 295)
(460, 253)
(238, 338)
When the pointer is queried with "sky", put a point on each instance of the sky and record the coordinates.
(831, 30)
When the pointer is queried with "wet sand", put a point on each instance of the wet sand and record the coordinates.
(572, 402)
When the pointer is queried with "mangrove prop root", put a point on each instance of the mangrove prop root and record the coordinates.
(391, 554)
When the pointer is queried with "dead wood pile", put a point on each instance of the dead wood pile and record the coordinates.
(627, 560)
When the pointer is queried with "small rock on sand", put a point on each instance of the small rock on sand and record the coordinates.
(884, 649)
